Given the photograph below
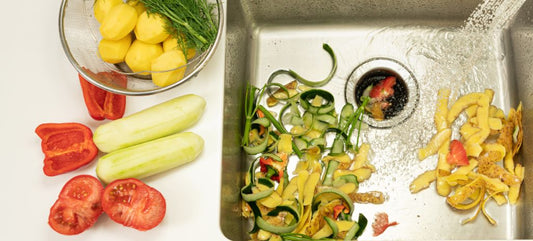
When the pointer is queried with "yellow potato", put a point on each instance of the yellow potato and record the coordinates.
(114, 51)
(102, 7)
(150, 28)
(171, 43)
(140, 56)
(118, 22)
(138, 5)
(174, 59)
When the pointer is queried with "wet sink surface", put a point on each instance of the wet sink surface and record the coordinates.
(424, 37)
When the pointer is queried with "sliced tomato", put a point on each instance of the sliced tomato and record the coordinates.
(78, 205)
(132, 203)
(457, 155)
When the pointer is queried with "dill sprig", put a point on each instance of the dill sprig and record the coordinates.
(191, 22)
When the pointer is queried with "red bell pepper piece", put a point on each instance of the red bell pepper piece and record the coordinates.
(103, 104)
(338, 209)
(66, 146)
(269, 162)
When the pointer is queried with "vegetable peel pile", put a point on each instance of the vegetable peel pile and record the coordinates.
(317, 202)
(481, 165)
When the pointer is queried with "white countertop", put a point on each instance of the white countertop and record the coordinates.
(40, 85)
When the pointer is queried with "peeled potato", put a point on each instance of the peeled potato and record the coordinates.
(141, 54)
(102, 7)
(118, 22)
(171, 43)
(150, 28)
(138, 5)
(168, 60)
(114, 51)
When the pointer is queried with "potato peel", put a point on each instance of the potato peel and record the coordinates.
(491, 141)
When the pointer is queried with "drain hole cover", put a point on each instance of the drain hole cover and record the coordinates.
(396, 106)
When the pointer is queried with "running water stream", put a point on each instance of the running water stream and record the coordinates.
(465, 59)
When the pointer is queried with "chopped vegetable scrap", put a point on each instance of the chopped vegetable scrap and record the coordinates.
(383, 89)
(318, 201)
(379, 97)
(481, 165)
(78, 205)
(381, 223)
(66, 146)
(103, 104)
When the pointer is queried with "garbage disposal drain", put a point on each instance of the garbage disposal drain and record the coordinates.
(393, 87)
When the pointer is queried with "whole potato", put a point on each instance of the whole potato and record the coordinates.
(150, 28)
(166, 61)
(140, 56)
(171, 43)
(118, 22)
(102, 7)
(112, 51)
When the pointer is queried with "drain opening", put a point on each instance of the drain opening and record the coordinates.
(394, 106)
(395, 103)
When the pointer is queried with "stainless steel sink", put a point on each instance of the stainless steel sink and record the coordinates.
(426, 38)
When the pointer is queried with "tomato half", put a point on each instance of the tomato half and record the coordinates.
(132, 203)
(78, 205)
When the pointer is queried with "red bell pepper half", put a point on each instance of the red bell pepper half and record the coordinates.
(103, 104)
(66, 146)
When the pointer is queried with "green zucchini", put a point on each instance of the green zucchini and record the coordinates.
(160, 120)
(150, 158)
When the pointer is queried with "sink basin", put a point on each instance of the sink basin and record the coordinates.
(428, 41)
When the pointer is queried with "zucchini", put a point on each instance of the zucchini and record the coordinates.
(149, 158)
(154, 122)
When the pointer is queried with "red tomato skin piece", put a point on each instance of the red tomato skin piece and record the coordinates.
(381, 223)
(457, 155)
(66, 146)
(134, 204)
(78, 205)
(384, 89)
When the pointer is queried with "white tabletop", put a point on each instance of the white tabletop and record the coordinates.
(39, 86)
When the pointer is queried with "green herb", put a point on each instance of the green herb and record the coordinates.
(191, 19)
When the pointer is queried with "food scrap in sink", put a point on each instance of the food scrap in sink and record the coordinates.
(481, 165)
(315, 200)
(380, 95)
